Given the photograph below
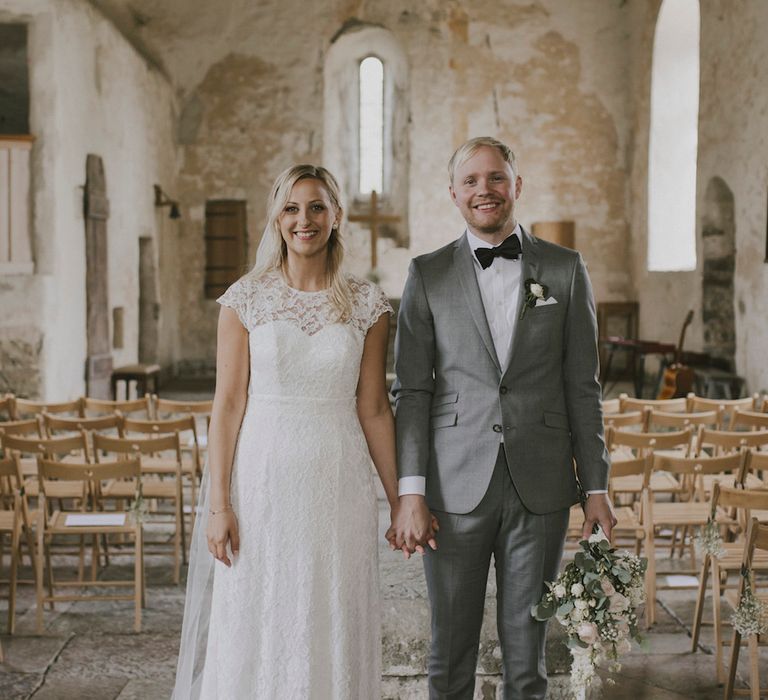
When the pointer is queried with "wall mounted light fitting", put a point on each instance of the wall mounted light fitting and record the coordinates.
(163, 200)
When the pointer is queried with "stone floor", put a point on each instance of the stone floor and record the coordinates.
(89, 652)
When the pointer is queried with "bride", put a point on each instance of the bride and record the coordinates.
(283, 595)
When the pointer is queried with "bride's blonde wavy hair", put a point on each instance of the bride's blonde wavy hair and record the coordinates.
(273, 252)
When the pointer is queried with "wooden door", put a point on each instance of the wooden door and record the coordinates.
(98, 369)
(225, 244)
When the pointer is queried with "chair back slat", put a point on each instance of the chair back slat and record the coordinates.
(25, 407)
(168, 406)
(733, 462)
(745, 499)
(623, 420)
(748, 419)
(101, 407)
(46, 446)
(7, 408)
(682, 419)
(628, 467)
(27, 426)
(71, 425)
(627, 403)
(729, 439)
(609, 406)
(152, 445)
(85, 471)
(160, 427)
(650, 441)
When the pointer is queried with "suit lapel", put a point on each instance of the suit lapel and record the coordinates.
(465, 268)
(531, 269)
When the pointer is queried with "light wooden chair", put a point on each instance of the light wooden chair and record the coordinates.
(610, 406)
(83, 522)
(24, 408)
(141, 407)
(757, 540)
(627, 403)
(740, 503)
(191, 462)
(12, 525)
(723, 441)
(627, 444)
(685, 515)
(726, 407)
(201, 410)
(161, 481)
(751, 420)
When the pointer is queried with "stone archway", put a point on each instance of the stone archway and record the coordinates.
(719, 252)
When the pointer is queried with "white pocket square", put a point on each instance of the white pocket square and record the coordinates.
(546, 302)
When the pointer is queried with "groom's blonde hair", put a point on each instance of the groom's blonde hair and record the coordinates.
(464, 152)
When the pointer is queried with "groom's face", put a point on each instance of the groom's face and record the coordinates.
(484, 189)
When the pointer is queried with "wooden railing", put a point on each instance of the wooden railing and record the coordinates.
(15, 233)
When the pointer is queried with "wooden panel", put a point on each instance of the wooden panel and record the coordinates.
(225, 244)
(5, 205)
(21, 250)
(560, 232)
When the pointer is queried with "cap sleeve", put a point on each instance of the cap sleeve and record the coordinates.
(238, 298)
(379, 305)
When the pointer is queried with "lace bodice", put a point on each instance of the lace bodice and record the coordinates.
(298, 346)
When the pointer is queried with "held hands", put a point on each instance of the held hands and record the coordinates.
(598, 511)
(413, 526)
(222, 529)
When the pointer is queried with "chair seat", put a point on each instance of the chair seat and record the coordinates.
(661, 482)
(685, 514)
(58, 524)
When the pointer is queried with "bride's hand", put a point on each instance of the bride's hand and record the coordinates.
(222, 528)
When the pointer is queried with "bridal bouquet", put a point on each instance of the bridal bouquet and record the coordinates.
(595, 599)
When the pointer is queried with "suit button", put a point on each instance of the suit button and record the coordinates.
(503, 390)
(497, 428)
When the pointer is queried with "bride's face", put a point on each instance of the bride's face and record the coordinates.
(307, 219)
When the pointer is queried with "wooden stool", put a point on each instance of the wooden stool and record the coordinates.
(143, 375)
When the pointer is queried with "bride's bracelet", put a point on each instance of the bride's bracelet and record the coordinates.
(225, 509)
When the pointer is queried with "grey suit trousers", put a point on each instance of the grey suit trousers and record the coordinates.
(527, 549)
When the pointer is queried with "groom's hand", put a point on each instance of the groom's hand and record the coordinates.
(598, 511)
(414, 526)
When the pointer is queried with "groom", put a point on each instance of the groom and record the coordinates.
(496, 392)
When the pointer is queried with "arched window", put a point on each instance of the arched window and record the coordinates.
(673, 139)
(365, 131)
(371, 150)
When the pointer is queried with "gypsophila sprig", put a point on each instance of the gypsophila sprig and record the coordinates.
(595, 598)
(709, 540)
(751, 614)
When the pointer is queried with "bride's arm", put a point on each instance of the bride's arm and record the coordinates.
(232, 370)
(374, 410)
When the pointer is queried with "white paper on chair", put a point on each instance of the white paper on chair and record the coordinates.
(680, 581)
(95, 519)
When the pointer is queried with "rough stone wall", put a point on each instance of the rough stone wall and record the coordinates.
(90, 93)
(546, 76)
(733, 146)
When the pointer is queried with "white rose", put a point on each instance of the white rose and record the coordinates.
(577, 589)
(581, 604)
(618, 603)
(559, 590)
(587, 632)
(537, 290)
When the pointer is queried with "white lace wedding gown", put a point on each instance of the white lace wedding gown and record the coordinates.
(297, 614)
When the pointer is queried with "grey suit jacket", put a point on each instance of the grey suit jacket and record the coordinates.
(454, 401)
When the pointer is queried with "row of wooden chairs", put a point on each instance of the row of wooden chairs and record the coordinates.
(69, 471)
(689, 404)
(147, 407)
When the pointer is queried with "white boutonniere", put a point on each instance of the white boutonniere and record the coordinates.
(534, 291)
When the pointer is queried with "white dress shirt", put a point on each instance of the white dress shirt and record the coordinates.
(500, 290)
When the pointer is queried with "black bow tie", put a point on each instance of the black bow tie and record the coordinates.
(510, 248)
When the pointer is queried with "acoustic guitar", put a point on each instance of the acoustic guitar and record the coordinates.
(678, 379)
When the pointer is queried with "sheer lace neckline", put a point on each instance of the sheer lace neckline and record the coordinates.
(284, 282)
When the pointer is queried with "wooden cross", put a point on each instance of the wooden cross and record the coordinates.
(373, 218)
